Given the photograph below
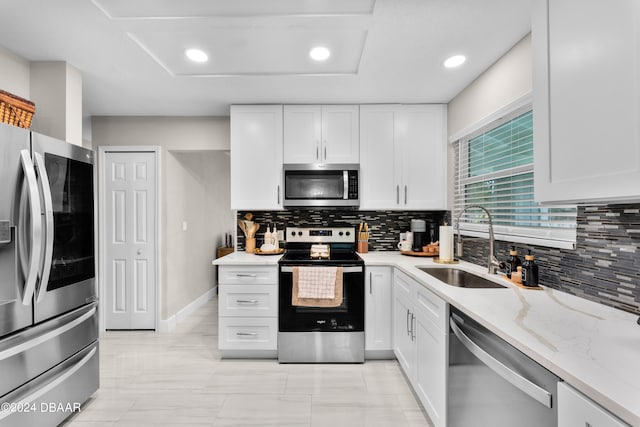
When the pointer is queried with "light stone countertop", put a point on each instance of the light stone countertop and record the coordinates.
(244, 258)
(594, 348)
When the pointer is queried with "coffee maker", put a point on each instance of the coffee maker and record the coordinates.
(420, 238)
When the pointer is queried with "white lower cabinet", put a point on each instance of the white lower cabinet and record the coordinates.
(377, 309)
(577, 410)
(248, 311)
(420, 320)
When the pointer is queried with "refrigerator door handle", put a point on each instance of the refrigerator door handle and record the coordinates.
(532, 390)
(49, 226)
(35, 229)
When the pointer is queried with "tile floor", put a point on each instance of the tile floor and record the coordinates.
(179, 379)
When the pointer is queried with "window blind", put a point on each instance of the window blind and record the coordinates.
(494, 169)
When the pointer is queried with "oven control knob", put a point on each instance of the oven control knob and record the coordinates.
(293, 233)
(299, 233)
(348, 233)
(340, 233)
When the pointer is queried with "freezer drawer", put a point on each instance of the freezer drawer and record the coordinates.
(27, 354)
(54, 396)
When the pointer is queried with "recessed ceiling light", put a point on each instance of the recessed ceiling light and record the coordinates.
(455, 61)
(196, 55)
(319, 53)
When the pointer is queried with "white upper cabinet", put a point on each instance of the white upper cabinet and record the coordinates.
(403, 157)
(586, 100)
(256, 157)
(321, 134)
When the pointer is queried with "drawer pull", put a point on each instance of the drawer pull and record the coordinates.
(247, 301)
(245, 275)
(247, 334)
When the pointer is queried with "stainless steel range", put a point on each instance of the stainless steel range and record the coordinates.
(321, 298)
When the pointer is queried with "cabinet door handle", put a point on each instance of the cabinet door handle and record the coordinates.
(247, 301)
(317, 152)
(408, 330)
(405, 194)
(278, 196)
(413, 327)
(370, 280)
(247, 334)
(325, 150)
(397, 194)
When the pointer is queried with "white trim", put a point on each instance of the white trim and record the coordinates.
(170, 324)
(551, 238)
(102, 151)
(521, 102)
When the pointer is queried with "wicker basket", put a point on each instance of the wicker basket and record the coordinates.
(16, 111)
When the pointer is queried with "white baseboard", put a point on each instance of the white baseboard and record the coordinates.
(167, 325)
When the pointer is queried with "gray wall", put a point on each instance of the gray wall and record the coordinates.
(194, 175)
(605, 266)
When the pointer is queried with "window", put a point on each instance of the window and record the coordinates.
(494, 169)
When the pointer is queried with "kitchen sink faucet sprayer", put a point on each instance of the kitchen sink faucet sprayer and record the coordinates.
(492, 262)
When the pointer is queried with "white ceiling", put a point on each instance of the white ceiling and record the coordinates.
(131, 52)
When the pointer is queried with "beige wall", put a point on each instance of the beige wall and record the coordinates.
(170, 133)
(509, 79)
(194, 174)
(199, 187)
(55, 88)
(15, 73)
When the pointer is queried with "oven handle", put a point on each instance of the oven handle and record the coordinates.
(288, 269)
(532, 390)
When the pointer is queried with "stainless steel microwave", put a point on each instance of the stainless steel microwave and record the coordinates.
(331, 185)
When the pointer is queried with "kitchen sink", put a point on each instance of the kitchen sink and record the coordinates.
(460, 278)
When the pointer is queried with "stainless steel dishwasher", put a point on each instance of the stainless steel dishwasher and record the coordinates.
(491, 383)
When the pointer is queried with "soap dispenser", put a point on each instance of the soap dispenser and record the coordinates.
(513, 262)
(529, 271)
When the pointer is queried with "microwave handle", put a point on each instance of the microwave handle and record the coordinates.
(345, 182)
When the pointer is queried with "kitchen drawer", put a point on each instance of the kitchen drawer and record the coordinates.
(248, 333)
(432, 307)
(248, 300)
(255, 275)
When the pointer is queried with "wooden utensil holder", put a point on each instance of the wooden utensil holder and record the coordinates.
(250, 244)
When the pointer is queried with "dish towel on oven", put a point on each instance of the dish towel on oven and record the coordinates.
(317, 287)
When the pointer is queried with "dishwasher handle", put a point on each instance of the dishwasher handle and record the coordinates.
(532, 390)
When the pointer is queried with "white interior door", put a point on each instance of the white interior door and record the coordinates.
(129, 240)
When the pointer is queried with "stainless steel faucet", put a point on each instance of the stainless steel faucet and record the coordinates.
(492, 262)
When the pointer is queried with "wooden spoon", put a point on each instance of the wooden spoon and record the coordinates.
(243, 227)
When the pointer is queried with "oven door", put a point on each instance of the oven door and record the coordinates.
(348, 317)
(65, 173)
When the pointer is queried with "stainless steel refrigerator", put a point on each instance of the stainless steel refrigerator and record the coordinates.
(48, 295)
